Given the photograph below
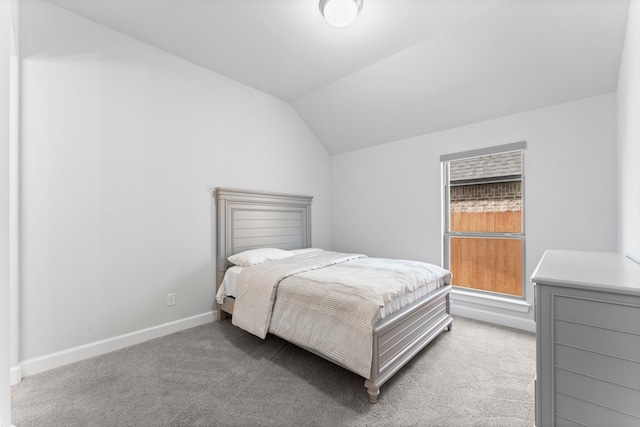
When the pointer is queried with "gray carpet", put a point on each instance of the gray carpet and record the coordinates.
(217, 375)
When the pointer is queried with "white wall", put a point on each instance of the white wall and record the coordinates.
(5, 25)
(386, 200)
(629, 136)
(122, 147)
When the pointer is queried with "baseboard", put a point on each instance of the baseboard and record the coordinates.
(76, 354)
(15, 375)
(497, 318)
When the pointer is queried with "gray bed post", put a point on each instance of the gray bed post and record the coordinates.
(221, 260)
(372, 390)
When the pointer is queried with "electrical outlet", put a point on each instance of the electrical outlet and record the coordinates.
(171, 300)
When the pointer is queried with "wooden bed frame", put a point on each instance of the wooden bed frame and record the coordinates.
(249, 220)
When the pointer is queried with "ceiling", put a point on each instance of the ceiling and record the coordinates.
(403, 68)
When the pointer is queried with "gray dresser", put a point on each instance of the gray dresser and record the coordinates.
(587, 308)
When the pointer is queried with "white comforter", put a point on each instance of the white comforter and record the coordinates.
(326, 301)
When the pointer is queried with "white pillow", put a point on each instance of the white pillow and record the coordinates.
(305, 250)
(257, 256)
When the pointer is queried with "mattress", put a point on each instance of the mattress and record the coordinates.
(228, 288)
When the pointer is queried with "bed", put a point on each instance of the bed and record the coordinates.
(250, 222)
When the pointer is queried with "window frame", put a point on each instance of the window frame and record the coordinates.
(445, 161)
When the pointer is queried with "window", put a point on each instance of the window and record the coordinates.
(484, 219)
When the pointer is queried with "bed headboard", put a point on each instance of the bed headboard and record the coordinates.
(251, 219)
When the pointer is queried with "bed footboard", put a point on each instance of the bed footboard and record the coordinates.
(399, 337)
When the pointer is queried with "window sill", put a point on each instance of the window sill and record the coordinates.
(490, 300)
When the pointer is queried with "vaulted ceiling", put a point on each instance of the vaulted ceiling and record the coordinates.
(403, 68)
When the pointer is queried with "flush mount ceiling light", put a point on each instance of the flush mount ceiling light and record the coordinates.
(340, 12)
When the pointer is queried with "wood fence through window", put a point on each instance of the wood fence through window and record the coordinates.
(487, 263)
